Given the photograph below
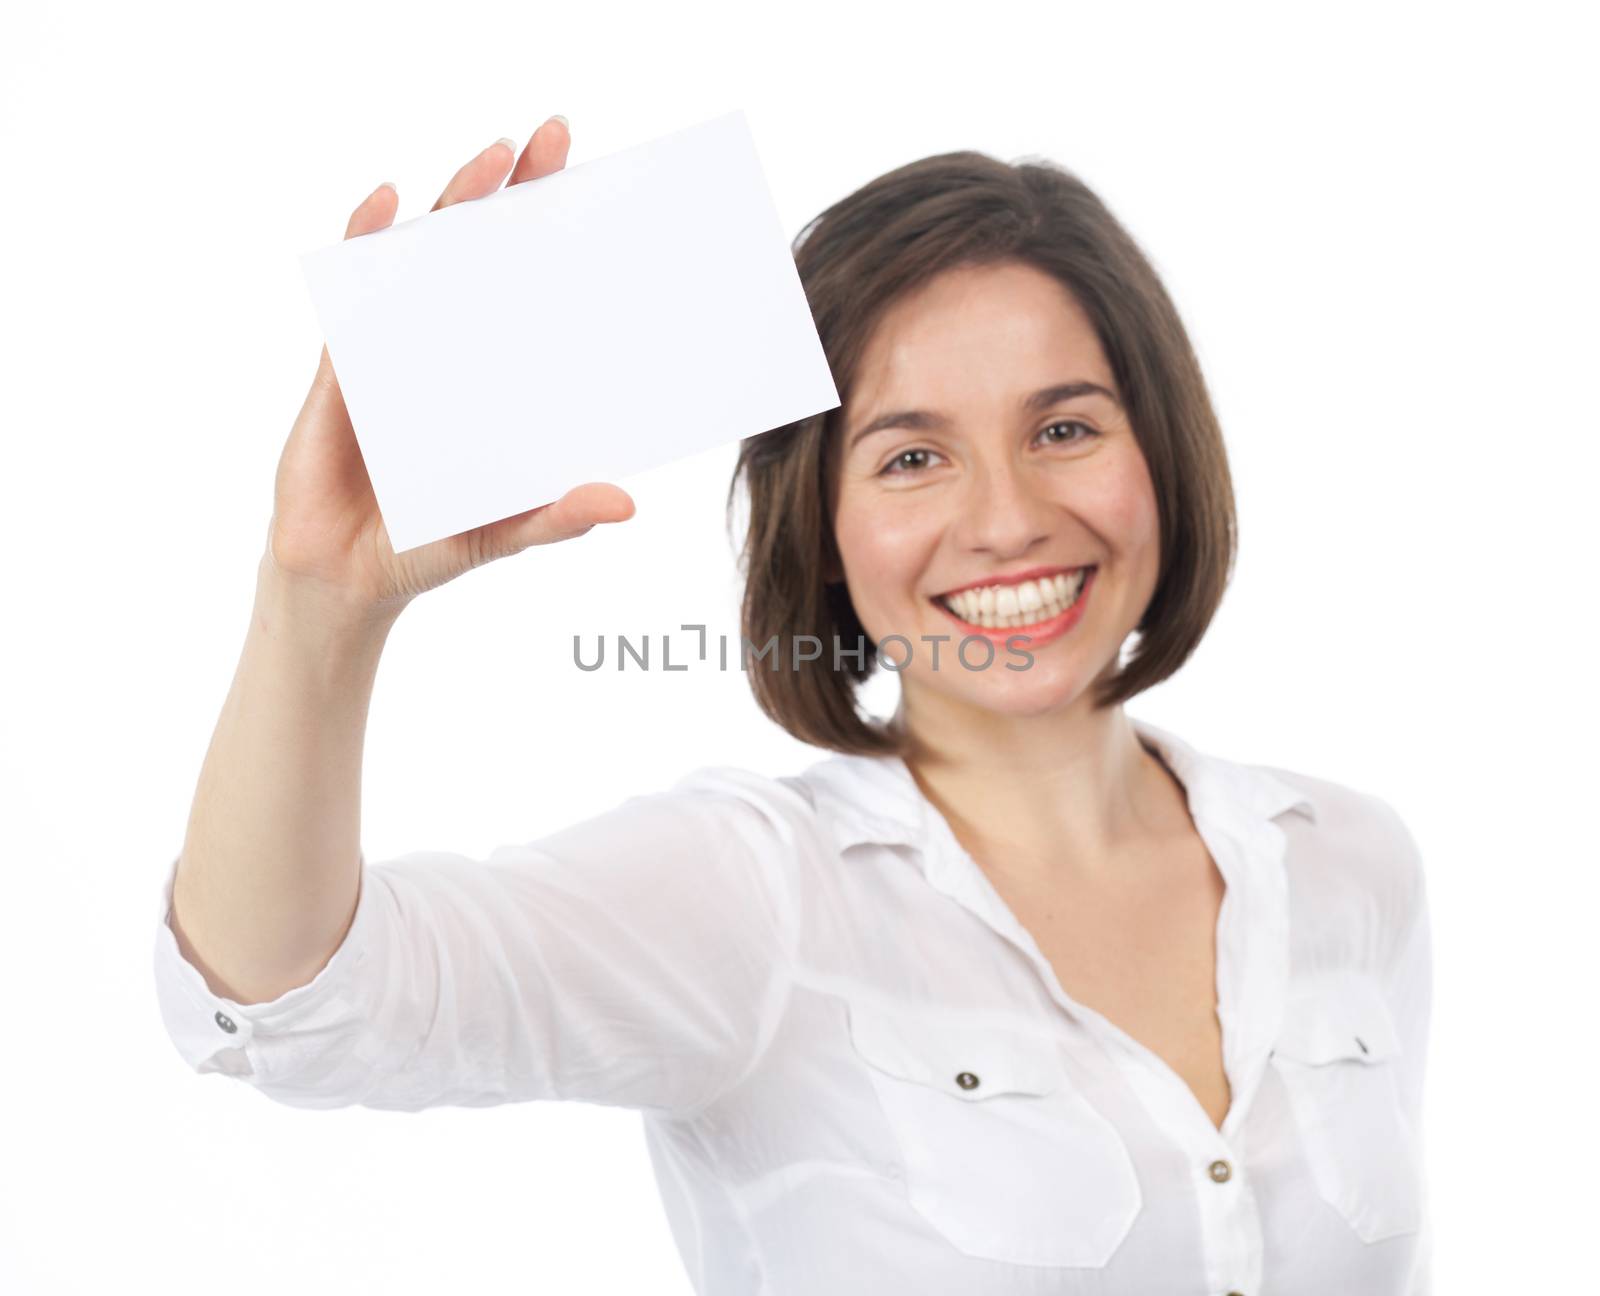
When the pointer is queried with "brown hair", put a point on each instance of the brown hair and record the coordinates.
(854, 260)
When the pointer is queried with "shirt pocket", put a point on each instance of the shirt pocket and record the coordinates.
(1336, 1056)
(1003, 1156)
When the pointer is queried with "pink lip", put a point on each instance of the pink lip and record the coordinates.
(1012, 578)
(1034, 636)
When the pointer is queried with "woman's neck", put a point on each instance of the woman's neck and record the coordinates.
(1074, 791)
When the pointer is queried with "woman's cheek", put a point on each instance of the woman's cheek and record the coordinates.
(1119, 502)
(885, 556)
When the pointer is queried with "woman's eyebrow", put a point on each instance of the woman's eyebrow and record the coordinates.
(924, 420)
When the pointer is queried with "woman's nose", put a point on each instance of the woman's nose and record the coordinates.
(1003, 513)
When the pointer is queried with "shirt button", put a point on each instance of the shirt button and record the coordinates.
(967, 1080)
(226, 1022)
(1221, 1171)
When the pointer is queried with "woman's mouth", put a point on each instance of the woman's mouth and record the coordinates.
(1026, 606)
(1031, 613)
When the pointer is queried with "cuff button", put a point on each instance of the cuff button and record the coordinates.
(226, 1022)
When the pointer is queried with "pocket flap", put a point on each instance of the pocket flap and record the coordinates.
(1338, 1018)
(970, 1062)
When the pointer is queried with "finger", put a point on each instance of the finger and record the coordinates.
(599, 502)
(480, 176)
(579, 510)
(545, 152)
(375, 212)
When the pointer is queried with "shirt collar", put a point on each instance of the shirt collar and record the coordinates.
(875, 799)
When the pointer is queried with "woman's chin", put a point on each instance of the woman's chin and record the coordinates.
(1033, 692)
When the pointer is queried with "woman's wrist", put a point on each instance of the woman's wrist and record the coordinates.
(316, 617)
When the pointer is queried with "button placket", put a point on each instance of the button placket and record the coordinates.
(1252, 972)
(1231, 1223)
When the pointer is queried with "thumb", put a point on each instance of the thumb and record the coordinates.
(575, 513)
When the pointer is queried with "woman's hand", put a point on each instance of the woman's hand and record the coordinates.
(326, 533)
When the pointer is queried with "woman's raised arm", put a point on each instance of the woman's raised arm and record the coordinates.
(267, 880)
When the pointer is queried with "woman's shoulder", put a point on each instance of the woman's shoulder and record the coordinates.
(739, 783)
(738, 798)
(1340, 808)
(1336, 816)
(1355, 830)
(834, 800)
(713, 817)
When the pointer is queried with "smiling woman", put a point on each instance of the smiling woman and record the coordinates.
(992, 328)
(1011, 992)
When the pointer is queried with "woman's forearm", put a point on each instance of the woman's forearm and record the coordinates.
(267, 882)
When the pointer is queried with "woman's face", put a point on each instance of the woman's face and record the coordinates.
(973, 497)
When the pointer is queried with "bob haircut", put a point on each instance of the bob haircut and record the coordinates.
(856, 258)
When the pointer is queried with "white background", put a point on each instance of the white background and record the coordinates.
(1378, 224)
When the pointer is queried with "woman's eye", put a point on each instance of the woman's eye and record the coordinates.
(1068, 423)
(907, 461)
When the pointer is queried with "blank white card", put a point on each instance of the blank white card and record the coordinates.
(583, 326)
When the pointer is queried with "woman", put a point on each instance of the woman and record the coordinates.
(1010, 994)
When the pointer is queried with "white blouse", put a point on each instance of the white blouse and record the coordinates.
(858, 1073)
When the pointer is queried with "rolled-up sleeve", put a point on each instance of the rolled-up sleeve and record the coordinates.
(639, 958)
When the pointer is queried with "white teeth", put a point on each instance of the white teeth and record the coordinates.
(1027, 603)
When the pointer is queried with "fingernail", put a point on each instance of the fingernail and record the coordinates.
(387, 184)
(558, 117)
(509, 143)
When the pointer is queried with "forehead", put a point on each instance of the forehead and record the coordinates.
(977, 332)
